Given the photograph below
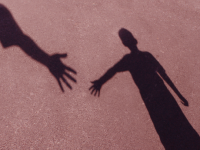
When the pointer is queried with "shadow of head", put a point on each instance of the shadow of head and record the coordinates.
(127, 38)
(9, 30)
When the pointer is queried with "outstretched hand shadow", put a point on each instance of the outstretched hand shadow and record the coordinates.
(58, 69)
(95, 88)
(12, 35)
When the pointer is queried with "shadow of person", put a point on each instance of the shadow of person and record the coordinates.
(172, 126)
(12, 35)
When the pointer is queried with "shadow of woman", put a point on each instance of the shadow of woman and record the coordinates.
(11, 35)
(172, 126)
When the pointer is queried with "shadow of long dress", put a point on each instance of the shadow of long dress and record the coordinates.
(172, 126)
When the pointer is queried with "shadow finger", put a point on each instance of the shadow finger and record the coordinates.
(69, 76)
(91, 87)
(95, 93)
(70, 69)
(66, 82)
(93, 90)
(60, 84)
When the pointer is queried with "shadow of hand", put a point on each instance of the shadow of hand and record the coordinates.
(58, 69)
(184, 101)
(95, 87)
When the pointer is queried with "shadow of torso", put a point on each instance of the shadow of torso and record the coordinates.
(172, 126)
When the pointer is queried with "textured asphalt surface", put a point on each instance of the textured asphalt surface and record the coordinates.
(35, 114)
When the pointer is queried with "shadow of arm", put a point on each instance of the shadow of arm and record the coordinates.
(118, 67)
(11, 34)
(171, 84)
(53, 62)
(160, 70)
(31, 49)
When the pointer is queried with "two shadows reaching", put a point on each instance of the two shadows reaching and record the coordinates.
(172, 126)
(12, 35)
